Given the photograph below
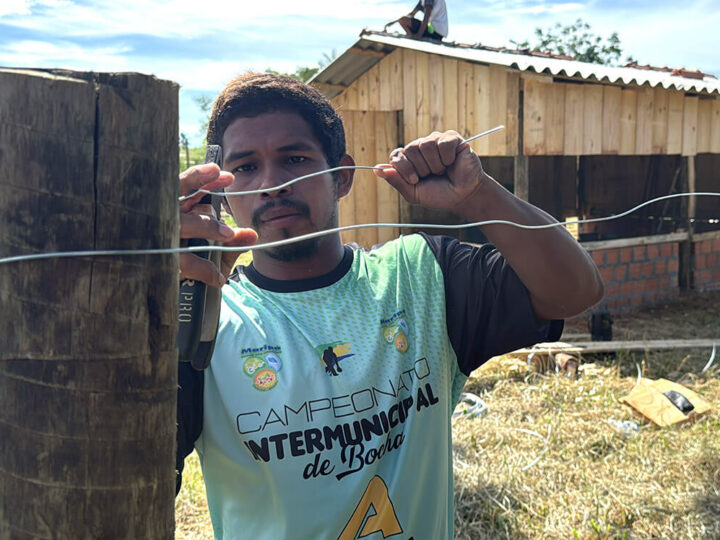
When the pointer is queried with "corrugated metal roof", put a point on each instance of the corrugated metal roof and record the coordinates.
(368, 50)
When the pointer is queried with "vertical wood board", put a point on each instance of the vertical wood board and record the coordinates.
(422, 84)
(643, 140)
(574, 119)
(690, 118)
(715, 127)
(675, 121)
(628, 121)
(555, 120)
(386, 140)
(437, 98)
(534, 105)
(704, 125)
(660, 121)
(450, 93)
(410, 123)
(612, 112)
(498, 110)
(481, 107)
(592, 120)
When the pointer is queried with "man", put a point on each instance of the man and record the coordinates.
(288, 450)
(434, 24)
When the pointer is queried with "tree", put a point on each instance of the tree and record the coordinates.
(305, 73)
(578, 41)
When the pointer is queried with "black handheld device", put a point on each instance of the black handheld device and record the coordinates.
(199, 305)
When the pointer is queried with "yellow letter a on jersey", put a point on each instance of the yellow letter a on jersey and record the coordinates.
(384, 520)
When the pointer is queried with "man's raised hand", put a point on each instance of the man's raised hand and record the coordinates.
(437, 171)
(199, 221)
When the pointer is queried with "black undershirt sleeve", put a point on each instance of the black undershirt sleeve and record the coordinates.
(488, 308)
(189, 415)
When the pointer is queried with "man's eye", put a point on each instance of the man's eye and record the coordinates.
(247, 167)
(297, 159)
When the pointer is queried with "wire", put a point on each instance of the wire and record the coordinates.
(318, 173)
(278, 243)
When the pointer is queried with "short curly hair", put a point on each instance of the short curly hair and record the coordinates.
(253, 94)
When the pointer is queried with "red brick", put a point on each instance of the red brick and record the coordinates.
(715, 273)
(647, 269)
(665, 282)
(653, 251)
(666, 250)
(660, 267)
(716, 244)
(702, 276)
(626, 288)
(611, 305)
(635, 270)
(612, 256)
(636, 300)
(622, 302)
(652, 284)
(621, 272)
(626, 254)
(672, 266)
(638, 286)
(598, 257)
(612, 290)
(639, 253)
(606, 273)
(713, 259)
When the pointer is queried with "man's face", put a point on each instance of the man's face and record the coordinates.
(266, 151)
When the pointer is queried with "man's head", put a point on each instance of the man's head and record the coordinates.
(274, 129)
(253, 94)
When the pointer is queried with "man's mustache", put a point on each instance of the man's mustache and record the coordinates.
(298, 206)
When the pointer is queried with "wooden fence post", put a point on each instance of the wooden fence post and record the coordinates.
(88, 368)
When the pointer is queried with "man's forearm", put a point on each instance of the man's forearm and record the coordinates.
(559, 274)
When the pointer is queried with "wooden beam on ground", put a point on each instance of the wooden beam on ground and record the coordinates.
(615, 346)
(88, 365)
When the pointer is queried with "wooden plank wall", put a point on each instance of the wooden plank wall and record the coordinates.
(592, 119)
(371, 136)
(408, 94)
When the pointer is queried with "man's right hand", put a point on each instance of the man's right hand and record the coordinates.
(199, 221)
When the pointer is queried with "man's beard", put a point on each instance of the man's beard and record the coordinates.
(303, 249)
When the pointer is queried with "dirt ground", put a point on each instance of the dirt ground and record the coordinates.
(692, 316)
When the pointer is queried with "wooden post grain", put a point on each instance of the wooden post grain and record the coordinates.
(88, 368)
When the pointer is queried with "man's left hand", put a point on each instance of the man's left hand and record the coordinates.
(437, 171)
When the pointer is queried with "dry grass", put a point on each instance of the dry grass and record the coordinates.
(544, 463)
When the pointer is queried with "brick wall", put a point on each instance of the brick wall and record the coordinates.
(640, 274)
(706, 271)
(644, 271)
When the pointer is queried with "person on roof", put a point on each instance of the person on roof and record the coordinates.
(434, 24)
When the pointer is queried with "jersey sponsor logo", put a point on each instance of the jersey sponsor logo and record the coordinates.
(395, 331)
(262, 365)
(384, 519)
(331, 354)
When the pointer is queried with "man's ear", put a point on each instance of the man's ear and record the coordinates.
(345, 177)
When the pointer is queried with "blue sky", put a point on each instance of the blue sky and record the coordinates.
(202, 45)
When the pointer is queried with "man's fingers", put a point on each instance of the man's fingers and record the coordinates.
(448, 145)
(199, 269)
(195, 225)
(404, 168)
(431, 154)
(206, 176)
(394, 178)
(415, 157)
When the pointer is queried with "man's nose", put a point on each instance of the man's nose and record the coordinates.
(274, 176)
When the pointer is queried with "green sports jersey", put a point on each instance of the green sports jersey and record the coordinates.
(326, 410)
